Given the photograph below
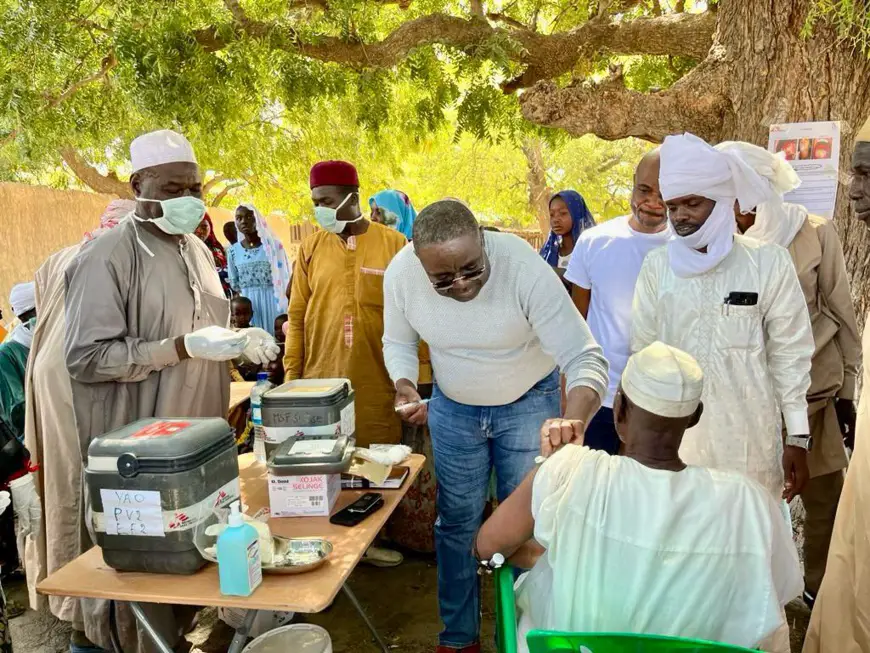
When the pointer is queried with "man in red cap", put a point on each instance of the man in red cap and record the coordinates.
(337, 305)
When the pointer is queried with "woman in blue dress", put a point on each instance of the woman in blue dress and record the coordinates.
(258, 267)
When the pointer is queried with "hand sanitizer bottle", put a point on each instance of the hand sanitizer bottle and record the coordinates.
(238, 555)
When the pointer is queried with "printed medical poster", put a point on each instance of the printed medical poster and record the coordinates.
(813, 150)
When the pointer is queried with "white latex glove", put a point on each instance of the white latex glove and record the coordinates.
(215, 343)
(25, 502)
(262, 348)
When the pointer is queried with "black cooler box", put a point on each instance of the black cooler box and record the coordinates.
(154, 485)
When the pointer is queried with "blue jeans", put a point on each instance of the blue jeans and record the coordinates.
(601, 432)
(468, 442)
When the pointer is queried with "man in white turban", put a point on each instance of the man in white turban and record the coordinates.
(839, 621)
(736, 305)
(146, 336)
(607, 523)
(817, 254)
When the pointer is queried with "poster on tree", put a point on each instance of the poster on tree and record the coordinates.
(813, 150)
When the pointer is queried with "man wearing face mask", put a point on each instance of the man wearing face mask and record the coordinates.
(337, 302)
(146, 335)
(736, 305)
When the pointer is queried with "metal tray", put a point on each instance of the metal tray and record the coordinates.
(301, 554)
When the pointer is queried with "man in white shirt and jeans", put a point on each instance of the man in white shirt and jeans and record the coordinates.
(498, 322)
(603, 270)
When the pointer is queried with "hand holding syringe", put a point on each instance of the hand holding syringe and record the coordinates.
(401, 408)
(410, 406)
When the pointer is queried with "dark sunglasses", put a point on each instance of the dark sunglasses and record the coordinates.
(442, 286)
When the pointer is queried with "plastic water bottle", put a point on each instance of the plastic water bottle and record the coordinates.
(257, 392)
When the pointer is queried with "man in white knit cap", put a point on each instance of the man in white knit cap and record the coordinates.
(736, 305)
(146, 334)
(608, 523)
(815, 249)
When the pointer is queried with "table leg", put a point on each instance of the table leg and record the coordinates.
(159, 642)
(241, 636)
(359, 608)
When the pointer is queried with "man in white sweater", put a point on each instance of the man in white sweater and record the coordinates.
(500, 328)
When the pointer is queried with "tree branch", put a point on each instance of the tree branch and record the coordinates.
(696, 103)
(223, 193)
(211, 183)
(477, 8)
(109, 62)
(506, 20)
(324, 4)
(544, 55)
(91, 177)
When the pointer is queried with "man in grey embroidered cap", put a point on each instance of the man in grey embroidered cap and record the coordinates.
(146, 334)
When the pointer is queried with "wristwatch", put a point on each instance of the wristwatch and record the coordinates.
(801, 441)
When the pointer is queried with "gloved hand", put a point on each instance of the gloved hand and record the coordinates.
(215, 343)
(262, 348)
(25, 502)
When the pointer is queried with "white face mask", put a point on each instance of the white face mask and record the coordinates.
(327, 217)
(181, 215)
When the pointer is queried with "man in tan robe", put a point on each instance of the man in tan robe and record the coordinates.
(49, 414)
(146, 336)
(840, 621)
(817, 255)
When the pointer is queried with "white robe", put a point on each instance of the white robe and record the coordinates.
(756, 359)
(698, 553)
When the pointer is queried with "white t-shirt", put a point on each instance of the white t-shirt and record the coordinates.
(607, 260)
(699, 553)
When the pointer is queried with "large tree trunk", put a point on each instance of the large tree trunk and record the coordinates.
(759, 71)
(536, 182)
(785, 78)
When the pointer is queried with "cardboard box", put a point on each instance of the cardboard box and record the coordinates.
(313, 495)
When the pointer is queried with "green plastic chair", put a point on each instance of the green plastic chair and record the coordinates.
(541, 641)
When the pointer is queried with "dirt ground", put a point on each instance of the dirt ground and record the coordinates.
(401, 602)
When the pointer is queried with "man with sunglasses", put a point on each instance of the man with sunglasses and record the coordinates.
(500, 329)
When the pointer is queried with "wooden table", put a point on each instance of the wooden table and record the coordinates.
(89, 577)
(239, 392)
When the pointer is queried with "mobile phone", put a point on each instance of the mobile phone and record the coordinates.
(353, 514)
(742, 299)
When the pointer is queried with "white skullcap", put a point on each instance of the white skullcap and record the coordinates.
(157, 148)
(663, 380)
(23, 298)
(773, 167)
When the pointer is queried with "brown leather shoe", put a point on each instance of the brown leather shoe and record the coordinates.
(473, 648)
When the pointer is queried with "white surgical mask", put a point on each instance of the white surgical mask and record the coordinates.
(327, 217)
(181, 215)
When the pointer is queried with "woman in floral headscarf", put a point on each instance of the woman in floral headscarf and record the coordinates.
(392, 208)
(258, 267)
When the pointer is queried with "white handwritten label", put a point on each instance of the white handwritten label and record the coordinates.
(134, 513)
